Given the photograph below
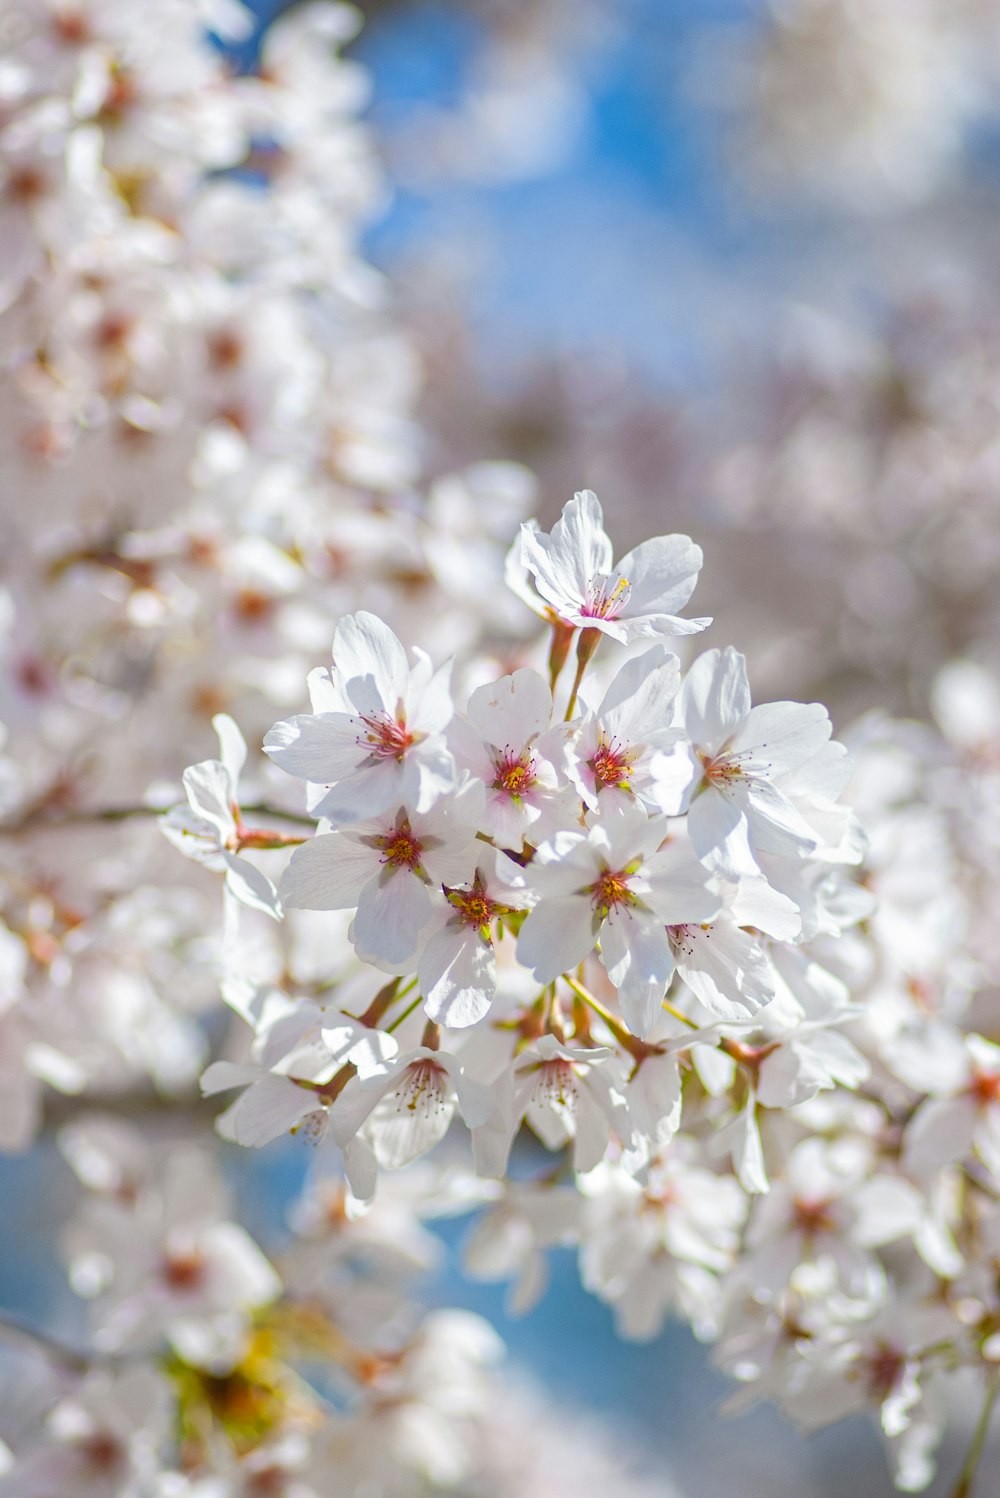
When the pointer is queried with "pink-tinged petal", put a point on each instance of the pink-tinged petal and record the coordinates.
(780, 736)
(676, 887)
(251, 887)
(360, 1168)
(456, 974)
(476, 1102)
(365, 793)
(637, 705)
(776, 826)
(757, 904)
(370, 663)
(393, 910)
(578, 549)
(222, 1076)
(269, 1108)
(939, 1133)
(717, 828)
(429, 707)
(558, 934)
(210, 794)
(661, 573)
(741, 1137)
(512, 711)
(232, 747)
(637, 957)
(327, 873)
(429, 774)
(715, 698)
(352, 1108)
(320, 748)
(674, 774)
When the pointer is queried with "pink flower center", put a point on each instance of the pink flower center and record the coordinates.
(611, 766)
(883, 1367)
(515, 774)
(102, 1451)
(183, 1270)
(812, 1217)
(722, 770)
(606, 596)
(387, 738)
(423, 1086)
(473, 906)
(557, 1084)
(985, 1088)
(401, 848)
(611, 890)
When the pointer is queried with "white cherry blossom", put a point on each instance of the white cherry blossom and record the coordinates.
(615, 885)
(376, 736)
(574, 572)
(392, 868)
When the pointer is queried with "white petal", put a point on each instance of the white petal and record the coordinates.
(210, 794)
(781, 736)
(558, 934)
(371, 663)
(232, 747)
(457, 977)
(715, 698)
(512, 711)
(321, 748)
(662, 573)
(251, 887)
(393, 910)
(327, 873)
(637, 956)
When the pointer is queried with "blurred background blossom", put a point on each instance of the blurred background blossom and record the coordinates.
(731, 264)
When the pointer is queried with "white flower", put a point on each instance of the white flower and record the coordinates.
(611, 884)
(574, 571)
(210, 828)
(407, 1107)
(611, 757)
(564, 1093)
(376, 738)
(392, 869)
(506, 740)
(962, 1112)
(729, 787)
(456, 970)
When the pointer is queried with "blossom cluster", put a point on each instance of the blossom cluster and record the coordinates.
(572, 909)
(210, 437)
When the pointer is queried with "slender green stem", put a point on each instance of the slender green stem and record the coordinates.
(41, 819)
(679, 1014)
(622, 1034)
(405, 1014)
(581, 667)
(967, 1476)
(586, 645)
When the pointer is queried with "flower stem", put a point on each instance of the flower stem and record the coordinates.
(41, 819)
(405, 1014)
(586, 645)
(967, 1476)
